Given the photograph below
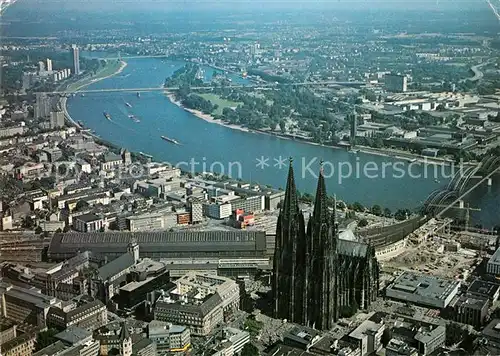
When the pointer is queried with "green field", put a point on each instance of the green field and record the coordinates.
(110, 68)
(222, 103)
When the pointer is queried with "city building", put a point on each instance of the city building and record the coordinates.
(492, 332)
(169, 337)
(144, 278)
(217, 211)
(111, 161)
(88, 223)
(493, 265)
(56, 120)
(85, 315)
(368, 337)
(43, 105)
(183, 218)
(238, 338)
(396, 83)
(468, 309)
(41, 69)
(251, 204)
(200, 301)
(301, 337)
(196, 208)
(228, 342)
(151, 221)
(354, 127)
(321, 261)
(18, 344)
(485, 289)
(10, 131)
(119, 338)
(24, 305)
(49, 65)
(53, 154)
(61, 281)
(397, 347)
(76, 341)
(423, 290)
(430, 339)
(75, 51)
(60, 349)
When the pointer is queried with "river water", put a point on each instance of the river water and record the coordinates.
(256, 158)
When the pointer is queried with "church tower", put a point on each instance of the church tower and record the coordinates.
(125, 341)
(289, 262)
(323, 259)
(133, 249)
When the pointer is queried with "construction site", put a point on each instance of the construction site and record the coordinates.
(437, 250)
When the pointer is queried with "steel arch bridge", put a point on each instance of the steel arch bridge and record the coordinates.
(438, 198)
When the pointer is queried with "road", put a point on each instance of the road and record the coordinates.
(478, 74)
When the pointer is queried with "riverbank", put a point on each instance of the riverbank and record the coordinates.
(102, 74)
(206, 117)
(404, 156)
(82, 83)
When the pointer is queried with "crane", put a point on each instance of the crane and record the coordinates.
(467, 209)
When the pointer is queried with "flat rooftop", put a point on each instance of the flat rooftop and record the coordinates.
(134, 285)
(148, 265)
(365, 327)
(486, 288)
(423, 285)
(33, 296)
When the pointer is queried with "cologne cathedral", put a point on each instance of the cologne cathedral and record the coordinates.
(317, 277)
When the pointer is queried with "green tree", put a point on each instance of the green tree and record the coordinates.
(253, 326)
(250, 350)
(81, 205)
(402, 214)
(387, 212)
(363, 223)
(282, 126)
(357, 206)
(38, 230)
(28, 223)
(376, 210)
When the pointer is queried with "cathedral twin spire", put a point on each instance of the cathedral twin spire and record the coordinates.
(301, 259)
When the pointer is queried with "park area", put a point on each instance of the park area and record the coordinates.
(221, 103)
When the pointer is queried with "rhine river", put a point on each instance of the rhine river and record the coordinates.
(256, 158)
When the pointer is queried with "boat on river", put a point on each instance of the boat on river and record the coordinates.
(171, 140)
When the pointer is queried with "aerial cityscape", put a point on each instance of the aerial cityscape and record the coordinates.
(249, 178)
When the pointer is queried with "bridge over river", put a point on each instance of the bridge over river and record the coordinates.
(256, 86)
(466, 180)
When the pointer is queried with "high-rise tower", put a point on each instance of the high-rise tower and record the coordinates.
(76, 59)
